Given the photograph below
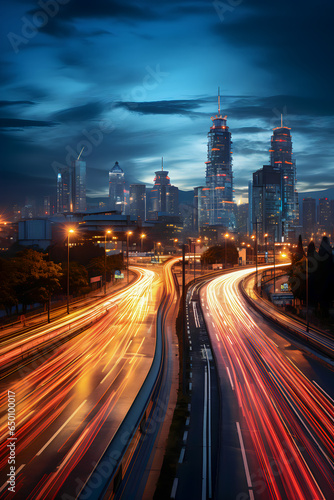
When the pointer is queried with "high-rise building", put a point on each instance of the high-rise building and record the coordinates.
(242, 213)
(79, 185)
(71, 187)
(138, 201)
(266, 202)
(65, 190)
(219, 176)
(163, 196)
(281, 157)
(116, 188)
(201, 208)
(309, 217)
(324, 217)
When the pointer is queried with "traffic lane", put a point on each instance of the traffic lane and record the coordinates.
(90, 381)
(197, 467)
(249, 356)
(231, 480)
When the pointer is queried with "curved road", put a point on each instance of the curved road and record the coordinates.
(279, 420)
(70, 402)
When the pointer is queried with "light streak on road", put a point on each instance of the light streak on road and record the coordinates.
(286, 421)
(79, 392)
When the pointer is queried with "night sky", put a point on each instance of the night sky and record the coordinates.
(138, 80)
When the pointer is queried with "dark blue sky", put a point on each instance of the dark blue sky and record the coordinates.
(138, 80)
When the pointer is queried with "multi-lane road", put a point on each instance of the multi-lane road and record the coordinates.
(70, 401)
(277, 404)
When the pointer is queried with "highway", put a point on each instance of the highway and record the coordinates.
(71, 400)
(277, 404)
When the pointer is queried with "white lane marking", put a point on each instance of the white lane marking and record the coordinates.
(189, 406)
(251, 494)
(322, 390)
(196, 317)
(229, 376)
(187, 421)
(60, 429)
(174, 488)
(185, 436)
(182, 455)
(190, 375)
(190, 386)
(204, 466)
(217, 338)
(244, 458)
(16, 473)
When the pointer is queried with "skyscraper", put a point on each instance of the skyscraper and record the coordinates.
(79, 185)
(116, 188)
(163, 196)
(65, 190)
(309, 217)
(219, 176)
(138, 201)
(266, 202)
(281, 157)
(324, 217)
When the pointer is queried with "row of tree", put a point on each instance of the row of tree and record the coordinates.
(30, 277)
(318, 267)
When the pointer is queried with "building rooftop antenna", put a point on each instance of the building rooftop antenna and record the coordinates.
(162, 163)
(281, 120)
(218, 101)
(80, 153)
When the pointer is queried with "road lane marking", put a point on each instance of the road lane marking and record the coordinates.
(244, 458)
(229, 376)
(174, 488)
(185, 436)
(182, 455)
(60, 429)
(187, 421)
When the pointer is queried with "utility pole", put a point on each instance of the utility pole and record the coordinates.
(307, 315)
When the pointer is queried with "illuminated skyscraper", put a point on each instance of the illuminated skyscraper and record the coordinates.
(309, 217)
(163, 197)
(79, 185)
(219, 176)
(138, 201)
(281, 157)
(116, 188)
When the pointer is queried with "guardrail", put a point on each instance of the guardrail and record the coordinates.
(118, 453)
(315, 337)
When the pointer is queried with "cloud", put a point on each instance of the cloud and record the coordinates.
(173, 107)
(11, 123)
(5, 104)
(86, 112)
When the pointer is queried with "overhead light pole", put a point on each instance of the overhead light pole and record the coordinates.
(105, 260)
(128, 234)
(70, 231)
(226, 235)
(142, 236)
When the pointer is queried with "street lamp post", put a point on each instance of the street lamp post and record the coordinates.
(128, 234)
(266, 243)
(142, 236)
(225, 236)
(68, 269)
(274, 235)
(105, 260)
(307, 315)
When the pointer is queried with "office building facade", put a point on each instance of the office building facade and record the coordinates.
(164, 197)
(281, 157)
(137, 201)
(219, 175)
(309, 217)
(116, 189)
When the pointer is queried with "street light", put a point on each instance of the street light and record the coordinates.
(128, 234)
(266, 243)
(105, 260)
(226, 235)
(68, 269)
(175, 241)
(142, 236)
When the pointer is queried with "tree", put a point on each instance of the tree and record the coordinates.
(8, 297)
(35, 279)
(78, 279)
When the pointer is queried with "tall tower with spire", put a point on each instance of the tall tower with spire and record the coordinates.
(219, 176)
(163, 196)
(116, 188)
(281, 157)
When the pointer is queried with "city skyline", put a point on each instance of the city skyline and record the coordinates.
(62, 88)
